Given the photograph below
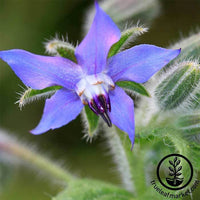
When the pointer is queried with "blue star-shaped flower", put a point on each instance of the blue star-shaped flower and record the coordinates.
(92, 80)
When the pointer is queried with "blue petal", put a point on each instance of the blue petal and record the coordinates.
(139, 63)
(91, 54)
(59, 110)
(122, 112)
(39, 72)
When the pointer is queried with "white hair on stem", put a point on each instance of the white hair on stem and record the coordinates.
(120, 158)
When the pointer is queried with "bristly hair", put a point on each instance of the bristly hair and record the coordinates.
(25, 98)
(51, 45)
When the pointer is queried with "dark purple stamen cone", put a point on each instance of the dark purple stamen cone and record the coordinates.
(100, 105)
(106, 118)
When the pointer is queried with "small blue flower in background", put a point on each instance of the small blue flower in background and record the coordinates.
(92, 80)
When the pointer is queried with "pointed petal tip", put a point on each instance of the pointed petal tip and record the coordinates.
(96, 4)
(132, 145)
(2, 54)
(35, 132)
(132, 139)
(98, 8)
(178, 51)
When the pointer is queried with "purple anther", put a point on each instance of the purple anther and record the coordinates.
(93, 107)
(100, 105)
(102, 100)
(108, 104)
(106, 118)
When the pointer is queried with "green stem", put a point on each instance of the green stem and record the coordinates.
(14, 148)
(119, 154)
(130, 164)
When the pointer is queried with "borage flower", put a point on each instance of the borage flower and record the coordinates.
(92, 79)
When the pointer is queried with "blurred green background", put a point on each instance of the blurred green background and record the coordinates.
(26, 25)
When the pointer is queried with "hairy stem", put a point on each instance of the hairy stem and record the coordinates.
(13, 147)
(130, 164)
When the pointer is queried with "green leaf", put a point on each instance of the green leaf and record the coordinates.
(127, 36)
(133, 86)
(86, 189)
(91, 122)
(30, 94)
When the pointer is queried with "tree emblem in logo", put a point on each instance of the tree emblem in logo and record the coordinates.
(175, 173)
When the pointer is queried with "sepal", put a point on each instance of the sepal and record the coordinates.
(30, 95)
(91, 121)
(127, 36)
(61, 48)
(133, 87)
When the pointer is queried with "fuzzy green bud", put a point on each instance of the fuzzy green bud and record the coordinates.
(61, 48)
(176, 86)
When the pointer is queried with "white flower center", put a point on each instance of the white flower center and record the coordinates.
(94, 85)
(93, 90)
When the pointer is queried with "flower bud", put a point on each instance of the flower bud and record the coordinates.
(176, 86)
(60, 48)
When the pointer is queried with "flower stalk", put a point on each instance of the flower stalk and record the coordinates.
(20, 151)
(130, 164)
